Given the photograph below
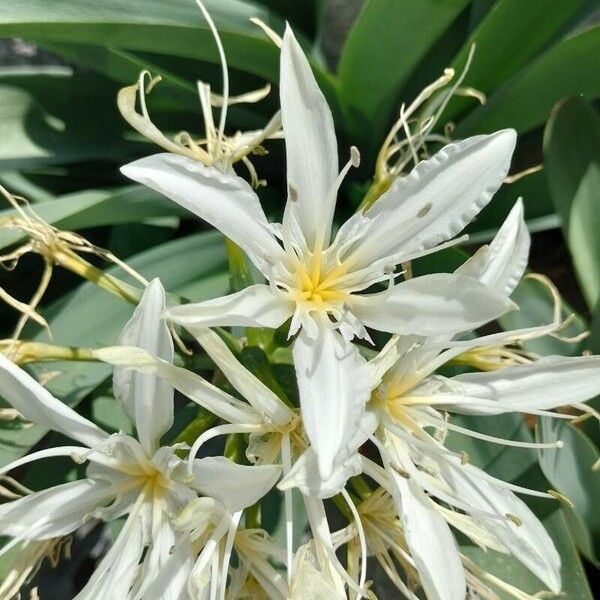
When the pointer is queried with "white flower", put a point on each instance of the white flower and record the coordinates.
(317, 282)
(126, 476)
(413, 405)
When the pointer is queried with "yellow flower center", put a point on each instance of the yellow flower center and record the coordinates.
(319, 286)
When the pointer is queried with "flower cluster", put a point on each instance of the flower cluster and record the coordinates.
(369, 433)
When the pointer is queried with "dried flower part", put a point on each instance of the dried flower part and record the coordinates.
(216, 148)
(56, 247)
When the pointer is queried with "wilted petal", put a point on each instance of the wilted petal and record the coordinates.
(310, 582)
(542, 385)
(147, 399)
(502, 264)
(254, 306)
(311, 147)
(226, 201)
(53, 512)
(235, 486)
(334, 383)
(38, 405)
(431, 305)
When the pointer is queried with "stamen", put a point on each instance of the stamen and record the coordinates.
(286, 458)
(274, 37)
(561, 498)
(217, 431)
(235, 520)
(361, 536)
(215, 33)
(47, 453)
(502, 441)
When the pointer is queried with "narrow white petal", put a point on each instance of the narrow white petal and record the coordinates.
(235, 486)
(311, 147)
(170, 582)
(116, 573)
(166, 566)
(265, 401)
(542, 385)
(437, 199)
(435, 304)
(187, 382)
(53, 512)
(254, 306)
(502, 264)
(334, 383)
(227, 202)
(147, 399)
(38, 405)
(528, 542)
(430, 540)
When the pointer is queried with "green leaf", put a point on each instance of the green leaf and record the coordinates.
(193, 267)
(506, 42)
(574, 583)
(124, 66)
(19, 184)
(572, 164)
(384, 47)
(525, 101)
(176, 27)
(536, 307)
(47, 116)
(569, 470)
(108, 413)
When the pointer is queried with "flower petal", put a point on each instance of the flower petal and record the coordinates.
(266, 402)
(38, 405)
(166, 566)
(254, 306)
(117, 571)
(311, 146)
(335, 384)
(437, 198)
(187, 382)
(170, 581)
(441, 303)
(147, 399)
(53, 512)
(429, 538)
(502, 264)
(542, 385)
(227, 202)
(528, 542)
(305, 475)
(235, 486)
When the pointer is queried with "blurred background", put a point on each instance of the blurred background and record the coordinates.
(62, 141)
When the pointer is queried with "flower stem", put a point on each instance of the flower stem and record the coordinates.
(74, 263)
(377, 189)
(23, 352)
